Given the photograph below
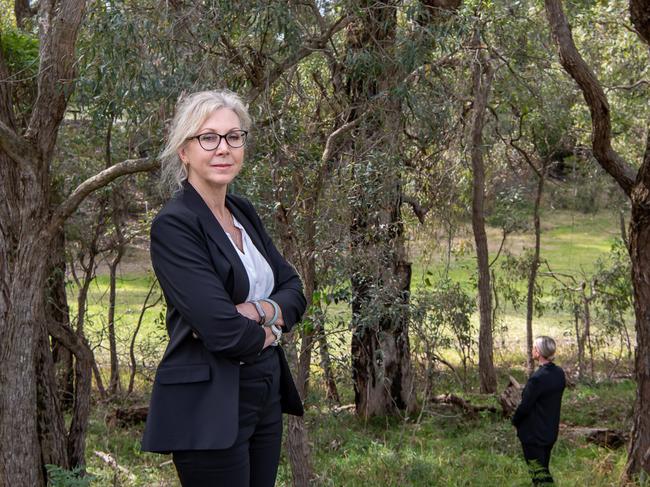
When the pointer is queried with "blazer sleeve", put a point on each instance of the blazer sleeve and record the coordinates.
(529, 396)
(182, 264)
(288, 291)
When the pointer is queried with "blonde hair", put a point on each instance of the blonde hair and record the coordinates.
(191, 112)
(545, 346)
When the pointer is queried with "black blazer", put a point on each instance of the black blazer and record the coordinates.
(194, 402)
(538, 416)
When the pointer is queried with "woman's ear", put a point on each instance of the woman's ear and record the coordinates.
(182, 155)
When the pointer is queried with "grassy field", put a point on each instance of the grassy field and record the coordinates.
(442, 447)
(439, 447)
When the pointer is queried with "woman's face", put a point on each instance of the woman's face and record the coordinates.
(217, 167)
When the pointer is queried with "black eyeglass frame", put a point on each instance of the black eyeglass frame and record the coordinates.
(224, 136)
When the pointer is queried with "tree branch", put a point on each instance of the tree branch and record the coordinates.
(629, 87)
(419, 210)
(58, 28)
(94, 183)
(15, 146)
(640, 17)
(579, 70)
(309, 46)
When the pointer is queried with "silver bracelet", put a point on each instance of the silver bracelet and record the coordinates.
(260, 311)
(276, 311)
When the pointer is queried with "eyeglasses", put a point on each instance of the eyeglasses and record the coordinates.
(210, 141)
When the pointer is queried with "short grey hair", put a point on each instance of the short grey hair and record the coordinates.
(545, 346)
(191, 112)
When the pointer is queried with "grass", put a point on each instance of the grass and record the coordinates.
(439, 448)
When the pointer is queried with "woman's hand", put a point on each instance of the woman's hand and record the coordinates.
(270, 337)
(248, 310)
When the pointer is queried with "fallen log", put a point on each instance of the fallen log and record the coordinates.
(128, 416)
(605, 437)
(458, 401)
(510, 397)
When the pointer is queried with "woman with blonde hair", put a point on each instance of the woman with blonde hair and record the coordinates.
(223, 382)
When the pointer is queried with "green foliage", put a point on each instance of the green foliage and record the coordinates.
(7, 19)
(60, 477)
(511, 210)
(441, 320)
(20, 51)
(513, 281)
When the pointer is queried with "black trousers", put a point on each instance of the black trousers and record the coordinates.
(253, 460)
(538, 458)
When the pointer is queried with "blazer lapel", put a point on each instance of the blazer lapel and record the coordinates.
(253, 232)
(212, 227)
(243, 218)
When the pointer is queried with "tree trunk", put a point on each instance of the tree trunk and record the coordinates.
(482, 73)
(58, 310)
(76, 438)
(380, 272)
(145, 306)
(89, 269)
(51, 423)
(22, 314)
(581, 347)
(639, 451)
(532, 275)
(23, 11)
(635, 184)
(586, 337)
(332, 393)
(115, 385)
(298, 450)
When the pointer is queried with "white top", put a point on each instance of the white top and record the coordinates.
(260, 274)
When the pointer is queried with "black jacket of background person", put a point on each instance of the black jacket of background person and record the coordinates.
(538, 416)
(195, 397)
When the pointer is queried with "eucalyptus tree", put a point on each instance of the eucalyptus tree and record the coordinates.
(483, 71)
(388, 50)
(533, 120)
(634, 180)
(31, 422)
(380, 273)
